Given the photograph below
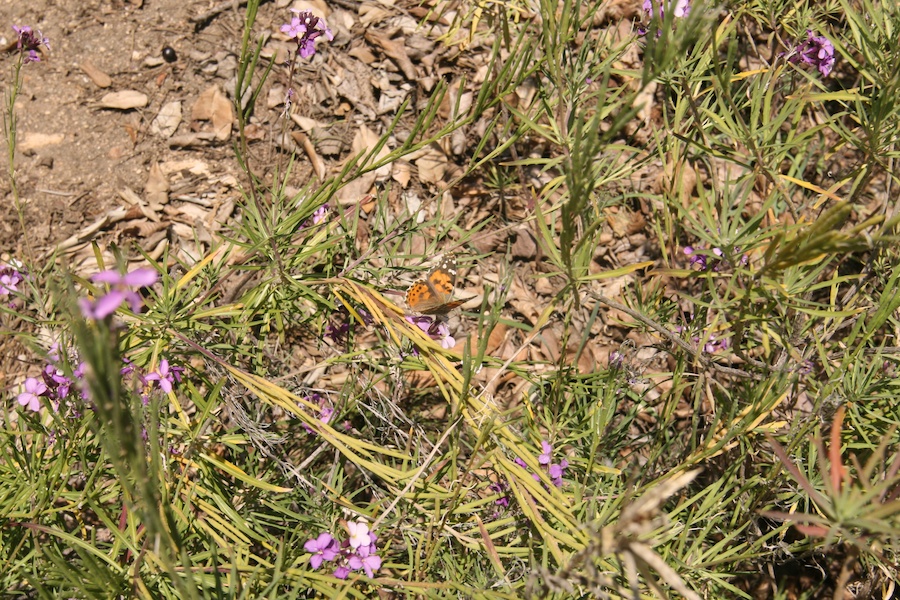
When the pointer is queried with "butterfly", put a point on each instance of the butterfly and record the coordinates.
(432, 295)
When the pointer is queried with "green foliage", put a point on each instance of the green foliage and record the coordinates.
(760, 314)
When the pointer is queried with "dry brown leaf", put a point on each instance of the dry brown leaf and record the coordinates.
(35, 141)
(395, 49)
(369, 14)
(431, 163)
(168, 119)
(124, 100)
(366, 139)
(363, 54)
(356, 189)
(100, 79)
(352, 80)
(497, 337)
(191, 165)
(307, 124)
(156, 190)
(316, 7)
(141, 228)
(525, 245)
(188, 212)
(189, 140)
(315, 160)
(624, 222)
(402, 173)
(523, 301)
(213, 106)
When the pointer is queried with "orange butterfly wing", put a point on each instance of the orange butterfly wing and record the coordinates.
(432, 295)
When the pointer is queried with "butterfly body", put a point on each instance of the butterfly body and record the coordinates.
(433, 295)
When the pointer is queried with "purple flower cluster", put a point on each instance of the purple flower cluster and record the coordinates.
(54, 385)
(305, 27)
(338, 326)
(163, 378)
(554, 470)
(712, 344)
(501, 489)
(325, 410)
(434, 328)
(816, 51)
(357, 552)
(10, 278)
(320, 215)
(72, 392)
(28, 42)
(681, 9)
(702, 260)
(124, 289)
(616, 360)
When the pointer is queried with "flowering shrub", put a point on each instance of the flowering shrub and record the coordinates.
(702, 260)
(124, 289)
(817, 51)
(28, 42)
(10, 277)
(305, 28)
(433, 328)
(54, 385)
(357, 552)
(554, 470)
(681, 9)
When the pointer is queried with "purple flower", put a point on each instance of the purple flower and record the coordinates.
(320, 214)
(712, 345)
(358, 552)
(136, 278)
(682, 8)
(325, 412)
(30, 42)
(359, 534)
(546, 454)
(9, 281)
(337, 332)
(616, 359)
(556, 472)
(698, 260)
(165, 376)
(715, 258)
(34, 389)
(342, 572)
(816, 51)
(500, 489)
(305, 27)
(433, 328)
(295, 29)
(322, 548)
(122, 291)
(370, 562)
